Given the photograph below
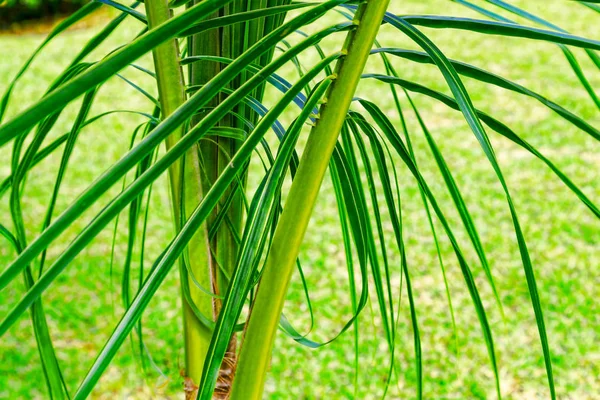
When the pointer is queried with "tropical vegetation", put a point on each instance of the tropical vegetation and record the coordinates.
(254, 103)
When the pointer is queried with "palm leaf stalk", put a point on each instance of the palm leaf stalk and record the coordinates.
(186, 191)
(281, 259)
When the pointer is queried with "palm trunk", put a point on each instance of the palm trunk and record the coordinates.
(212, 253)
(224, 224)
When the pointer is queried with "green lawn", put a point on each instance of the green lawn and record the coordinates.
(84, 303)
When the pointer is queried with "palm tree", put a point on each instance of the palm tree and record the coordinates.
(213, 63)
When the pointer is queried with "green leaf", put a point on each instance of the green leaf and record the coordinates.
(496, 80)
(496, 28)
(470, 115)
(494, 124)
(387, 128)
(61, 27)
(150, 142)
(103, 70)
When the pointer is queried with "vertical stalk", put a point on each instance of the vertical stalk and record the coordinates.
(213, 251)
(225, 223)
(186, 193)
(214, 157)
(262, 325)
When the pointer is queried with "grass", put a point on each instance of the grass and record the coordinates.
(562, 236)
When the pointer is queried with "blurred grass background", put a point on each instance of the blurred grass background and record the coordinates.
(83, 305)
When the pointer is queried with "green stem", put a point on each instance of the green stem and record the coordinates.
(225, 222)
(262, 325)
(215, 155)
(186, 193)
